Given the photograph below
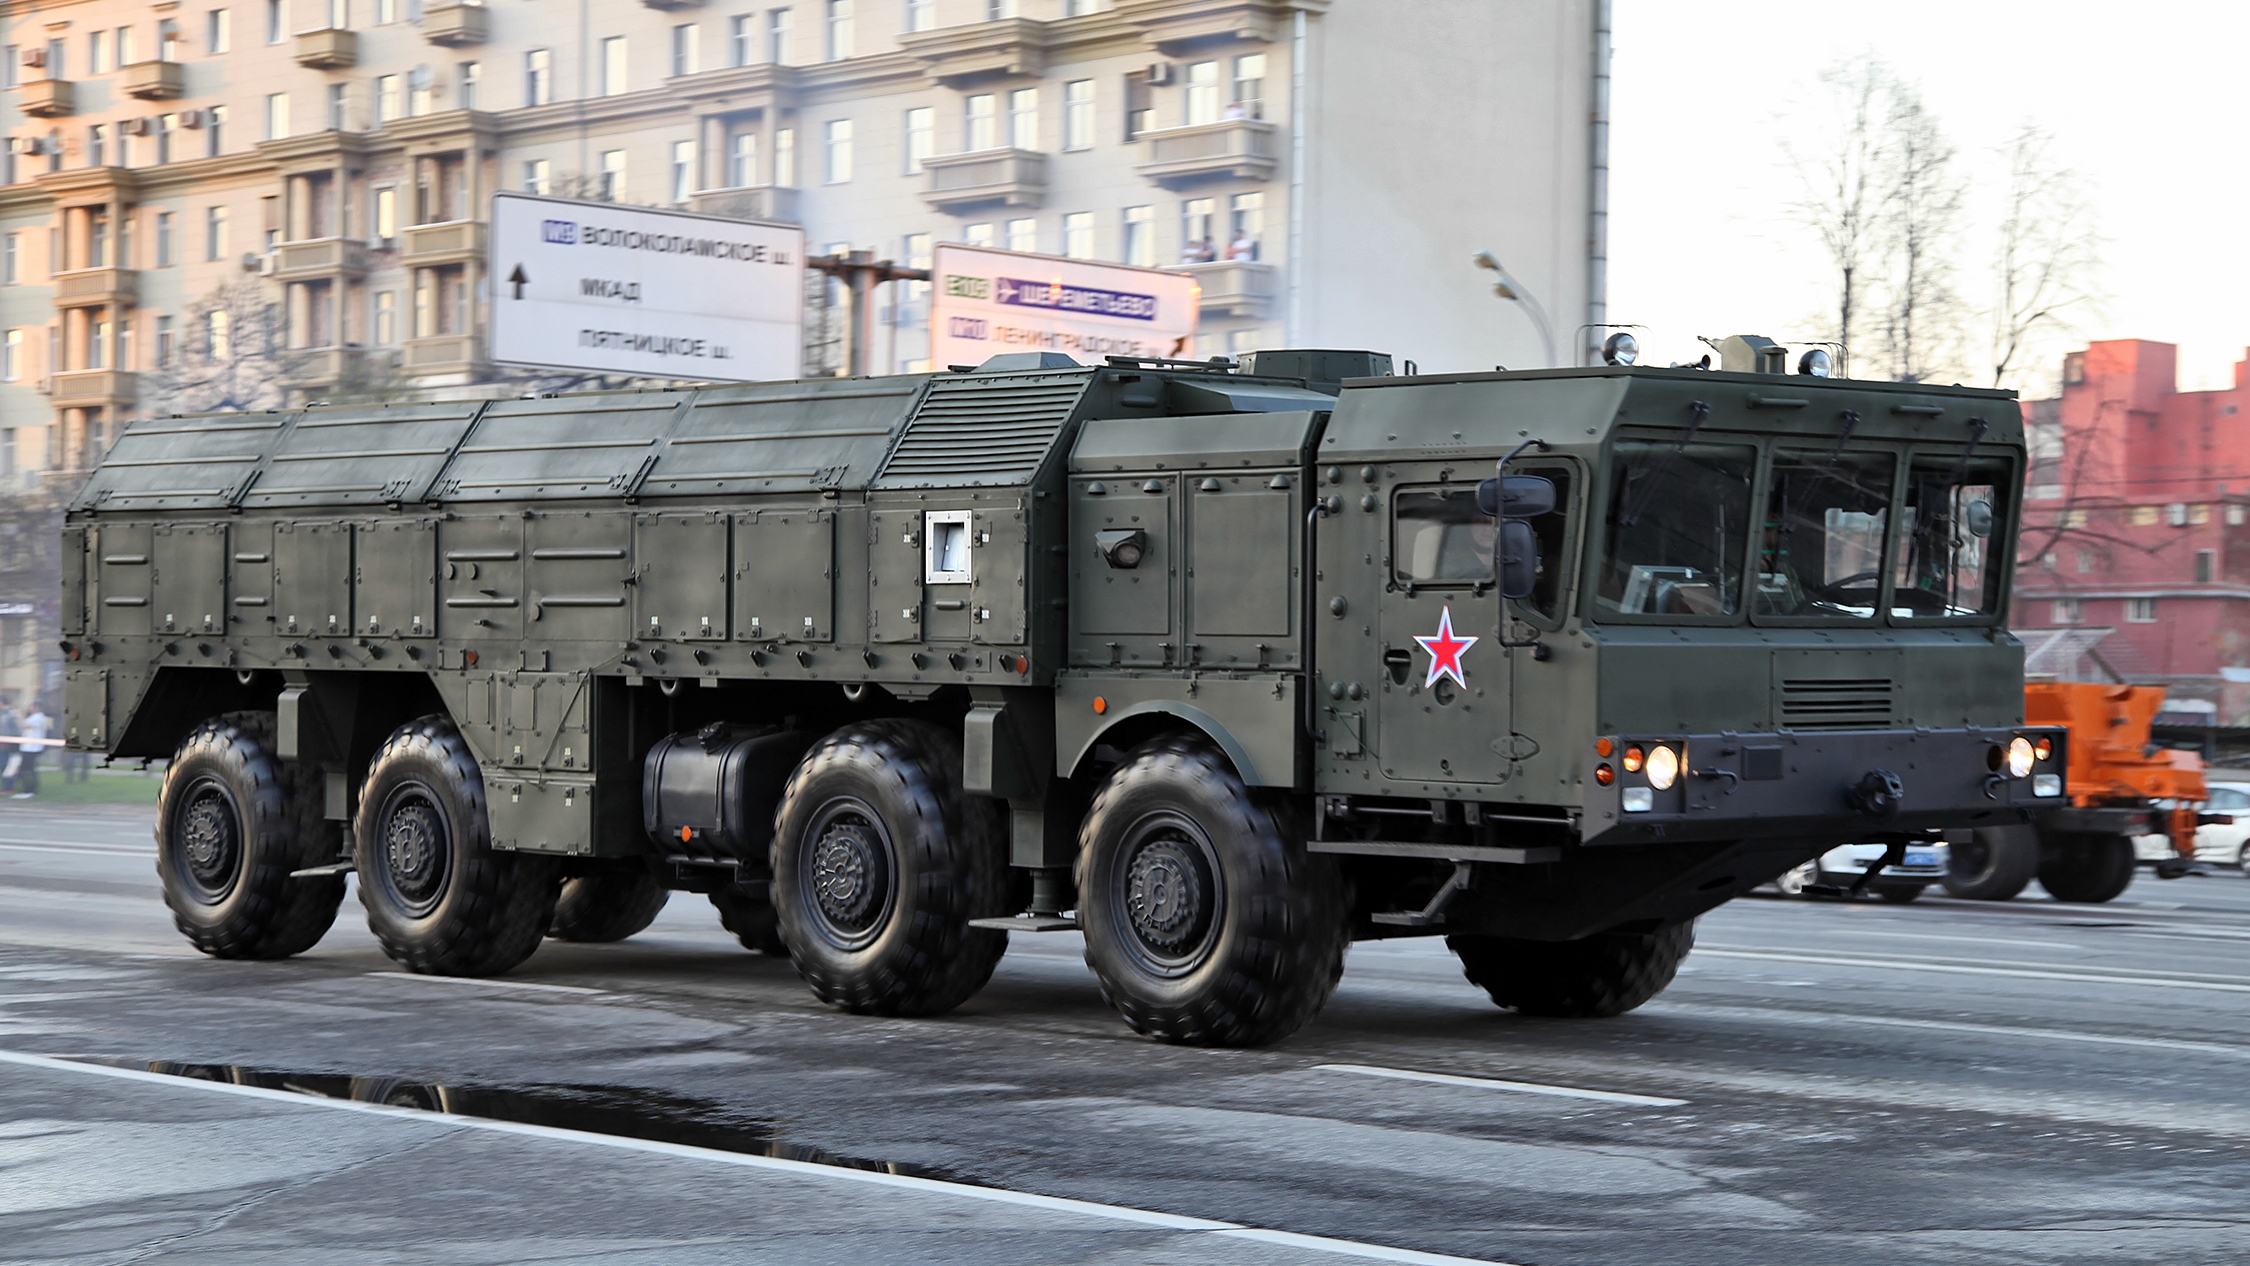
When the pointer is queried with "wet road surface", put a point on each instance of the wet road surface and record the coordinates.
(1942, 1082)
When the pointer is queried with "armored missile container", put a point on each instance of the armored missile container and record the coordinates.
(1222, 666)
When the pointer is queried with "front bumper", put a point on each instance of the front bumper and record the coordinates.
(1809, 785)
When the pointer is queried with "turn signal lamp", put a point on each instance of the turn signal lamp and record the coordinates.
(1634, 759)
(1603, 747)
(2044, 748)
(1604, 775)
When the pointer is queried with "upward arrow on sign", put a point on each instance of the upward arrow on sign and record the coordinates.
(517, 279)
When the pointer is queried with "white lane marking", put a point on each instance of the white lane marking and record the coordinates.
(1494, 1083)
(480, 982)
(1947, 969)
(1979, 940)
(83, 850)
(2221, 1049)
(802, 1169)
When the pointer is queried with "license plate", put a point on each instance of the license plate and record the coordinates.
(1921, 859)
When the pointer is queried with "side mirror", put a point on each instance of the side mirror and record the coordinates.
(1519, 559)
(1979, 516)
(1516, 497)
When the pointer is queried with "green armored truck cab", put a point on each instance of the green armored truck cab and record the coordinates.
(1223, 666)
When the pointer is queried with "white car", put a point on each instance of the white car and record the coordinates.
(1841, 867)
(2219, 845)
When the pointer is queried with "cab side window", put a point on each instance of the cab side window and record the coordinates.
(1553, 533)
(1439, 537)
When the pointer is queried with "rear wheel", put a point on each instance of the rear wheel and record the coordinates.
(1606, 974)
(233, 821)
(1206, 921)
(1791, 882)
(608, 905)
(747, 911)
(2085, 867)
(439, 897)
(1994, 863)
(879, 863)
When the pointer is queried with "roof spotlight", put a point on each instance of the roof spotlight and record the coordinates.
(1620, 348)
(1817, 363)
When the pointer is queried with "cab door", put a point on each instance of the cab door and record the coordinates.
(1441, 699)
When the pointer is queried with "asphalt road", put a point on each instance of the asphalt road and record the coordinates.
(1942, 1082)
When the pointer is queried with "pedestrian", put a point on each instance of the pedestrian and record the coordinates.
(11, 755)
(1244, 247)
(27, 775)
(1235, 110)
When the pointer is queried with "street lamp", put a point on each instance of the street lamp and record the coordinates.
(1509, 288)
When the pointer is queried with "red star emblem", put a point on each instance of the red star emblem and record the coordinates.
(1445, 651)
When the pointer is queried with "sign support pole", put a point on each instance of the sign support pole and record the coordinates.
(860, 273)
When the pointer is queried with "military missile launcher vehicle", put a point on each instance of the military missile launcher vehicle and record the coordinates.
(1225, 666)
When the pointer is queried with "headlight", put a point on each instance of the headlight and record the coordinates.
(1663, 767)
(1636, 800)
(2021, 758)
(2047, 785)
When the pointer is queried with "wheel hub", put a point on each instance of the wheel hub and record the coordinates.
(849, 874)
(414, 853)
(1164, 894)
(211, 842)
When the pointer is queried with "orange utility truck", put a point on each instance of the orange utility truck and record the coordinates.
(2119, 784)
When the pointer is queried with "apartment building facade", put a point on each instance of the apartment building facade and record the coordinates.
(239, 203)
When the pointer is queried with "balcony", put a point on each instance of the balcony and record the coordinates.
(46, 98)
(774, 203)
(1234, 287)
(318, 368)
(957, 56)
(1010, 177)
(456, 25)
(668, 6)
(96, 288)
(1233, 149)
(1176, 26)
(155, 81)
(433, 245)
(322, 257)
(329, 48)
(445, 354)
(92, 388)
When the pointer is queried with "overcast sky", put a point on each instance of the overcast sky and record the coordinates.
(2145, 103)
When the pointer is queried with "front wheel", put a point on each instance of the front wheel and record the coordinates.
(1993, 864)
(1206, 921)
(747, 911)
(440, 899)
(2084, 867)
(1606, 974)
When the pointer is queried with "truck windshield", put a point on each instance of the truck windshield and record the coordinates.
(1822, 552)
(1947, 533)
(1678, 523)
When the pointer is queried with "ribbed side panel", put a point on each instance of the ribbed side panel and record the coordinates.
(1864, 703)
(972, 429)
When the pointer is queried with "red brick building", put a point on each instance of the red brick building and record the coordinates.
(2135, 555)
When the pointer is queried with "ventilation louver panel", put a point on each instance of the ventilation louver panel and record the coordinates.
(1844, 704)
(984, 431)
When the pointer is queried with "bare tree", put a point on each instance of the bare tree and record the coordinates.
(2047, 251)
(227, 359)
(1844, 183)
(1923, 197)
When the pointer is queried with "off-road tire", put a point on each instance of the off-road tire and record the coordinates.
(2085, 868)
(1896, 893)
(1995, 864)
(440, 900)
(1606, 974)
(747, 911)
(263, 817)
(879, 863)
(1206, 920)
(608, 905)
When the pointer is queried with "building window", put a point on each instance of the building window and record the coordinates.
(386, 318)
(994, 10)
(97, 148)
(167, 342)
(785, 157)
(742, 161)
(2048, 561)
(165, 255)
(97, 340)
(11, 57)
(979, 234)
(683, 170)
(2176, 514)
(1202, 93)
(538, 176)
(386, 12)
(97, 239)
(218, 32)
(2069, 611)
(683, 49)
(1078, 235)
(1140, 106)
(465, 78)
(836, 148)
(921, 136)
(277, 115)
(11, 357)
(2141, 516)
(2074, 369)
(2205, 562)
(97, 52)
(742, 39)
(777, 37)
(389, 105)
(335, 107)
(2234, 516)
(2140, 611)
(921, 15)
(1080, 8)
(276, 25)
(613, 175)
(1023, 235)
(1250, 86)
(1199, 226)
(2086, 561)
(214, 234)
(214, 131)
(613, 65)
(165, 126)
(386, 214)
(1246, 225)
(981, 122)
(839, 29)
(1023, 118)
(2198, 513)
(11, 259)
(538, 77)
(1078, 114)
